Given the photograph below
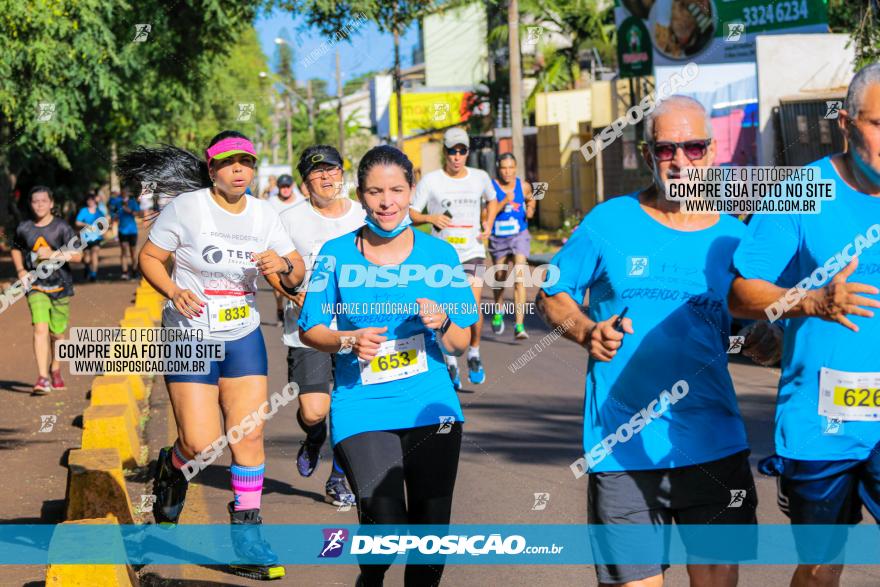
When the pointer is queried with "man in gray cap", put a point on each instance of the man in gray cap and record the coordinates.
(455, 197)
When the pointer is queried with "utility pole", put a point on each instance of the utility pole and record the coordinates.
(339, 108)
(309, 104)
(397, 86)
(289, 138)
(516, 118)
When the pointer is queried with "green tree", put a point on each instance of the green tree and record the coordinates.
(334, 18)
(860, 20)
(77, 77)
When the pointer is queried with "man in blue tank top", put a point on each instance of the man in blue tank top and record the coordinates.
(510, 240)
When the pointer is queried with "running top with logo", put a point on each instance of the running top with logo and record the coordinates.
(675, 285)
(86, 217)
(309, 230)
(127, 222)
(29, 238)
(511, 220)
(828, 406)
(463, 198)
(213, 251)
(407, 384)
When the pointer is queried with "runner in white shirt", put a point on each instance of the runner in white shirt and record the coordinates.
(222, 240)
(285, 196)
(327, 214)
(455, 197)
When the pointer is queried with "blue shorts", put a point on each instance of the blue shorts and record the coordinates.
(826, 493)
(243, 357)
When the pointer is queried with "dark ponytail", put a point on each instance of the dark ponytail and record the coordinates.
(384, 155)
(172, 170)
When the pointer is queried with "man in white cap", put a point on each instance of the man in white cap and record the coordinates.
(455, 197)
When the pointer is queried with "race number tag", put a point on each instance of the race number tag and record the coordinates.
(229, 314)
(507, 227)
(397, 359)
(457, 237)
(849, 396)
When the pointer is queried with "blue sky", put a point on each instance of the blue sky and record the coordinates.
(368, 50)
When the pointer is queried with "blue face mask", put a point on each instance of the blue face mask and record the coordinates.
(372, 225)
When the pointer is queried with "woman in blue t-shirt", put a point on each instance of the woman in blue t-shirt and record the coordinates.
(401, 300)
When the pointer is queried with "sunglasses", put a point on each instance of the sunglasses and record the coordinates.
(322, 171)
(665, 150)
(462, 151)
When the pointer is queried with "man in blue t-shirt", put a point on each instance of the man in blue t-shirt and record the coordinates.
(126, 209)
(820, 274)
(664, 439)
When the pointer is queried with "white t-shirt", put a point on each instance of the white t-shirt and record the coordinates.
(280, 206)
(309, 230)
(463, 198)
(213, 251)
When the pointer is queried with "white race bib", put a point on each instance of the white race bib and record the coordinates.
(507, 227)
(397, 359)
(229, 313)
(849, 396)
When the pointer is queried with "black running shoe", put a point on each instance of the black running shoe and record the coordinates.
(169, 487)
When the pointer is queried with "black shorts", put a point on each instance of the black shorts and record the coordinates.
(131, 239)
(94, 244)
(311, 370)
(470, 266)
(717, 492)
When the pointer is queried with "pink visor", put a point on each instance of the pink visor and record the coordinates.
(228, 147)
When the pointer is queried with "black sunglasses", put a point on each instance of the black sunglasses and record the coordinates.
(454, 151)
(665, 150)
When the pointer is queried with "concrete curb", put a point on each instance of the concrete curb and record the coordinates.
(96, 491)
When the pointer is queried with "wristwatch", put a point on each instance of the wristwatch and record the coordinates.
(289, 266)
(445, 326)
(346, 344)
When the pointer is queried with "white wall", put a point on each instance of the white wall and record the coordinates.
(796, 64)
(456, 53)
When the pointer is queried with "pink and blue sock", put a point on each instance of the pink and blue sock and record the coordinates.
(178, 458)
(247, 486)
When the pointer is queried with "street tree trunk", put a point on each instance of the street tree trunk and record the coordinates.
(516, 117)
(398, 93)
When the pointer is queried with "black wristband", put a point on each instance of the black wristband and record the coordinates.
(445, 326)
(289, 266)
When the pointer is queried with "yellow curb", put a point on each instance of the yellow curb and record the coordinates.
(136, 323)
(108, 427)
(105, 393)
(133, 312)
(59, 575)
(152, 303)
(96, 486)
(136, 384)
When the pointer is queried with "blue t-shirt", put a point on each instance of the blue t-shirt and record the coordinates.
(421, 399)
(785, 249)
(675, 285)
(127, 222)
(90, 218)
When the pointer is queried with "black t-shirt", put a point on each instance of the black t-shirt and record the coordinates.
(29, 238)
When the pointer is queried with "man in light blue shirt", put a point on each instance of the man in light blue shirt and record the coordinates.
(664, 439)
(820, 273)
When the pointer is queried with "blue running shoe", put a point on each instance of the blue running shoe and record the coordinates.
(308, 458)
(475, 371)
(338, 492)
(256, 558)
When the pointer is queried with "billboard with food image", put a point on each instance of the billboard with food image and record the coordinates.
(719, 31)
